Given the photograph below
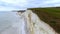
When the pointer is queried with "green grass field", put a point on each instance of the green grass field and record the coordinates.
(49, 15)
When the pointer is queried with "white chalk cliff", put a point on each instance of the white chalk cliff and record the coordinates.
(35, 25)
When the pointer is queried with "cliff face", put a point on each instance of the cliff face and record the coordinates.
(36, 25)
(49, 15)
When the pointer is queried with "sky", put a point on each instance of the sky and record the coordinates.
(8, 5)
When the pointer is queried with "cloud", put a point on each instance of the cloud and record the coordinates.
(24, 4)
(12, 4)
(16, 2)
(44, 3)
(51, 3)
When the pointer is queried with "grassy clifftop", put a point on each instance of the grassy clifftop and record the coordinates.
(49, 15)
